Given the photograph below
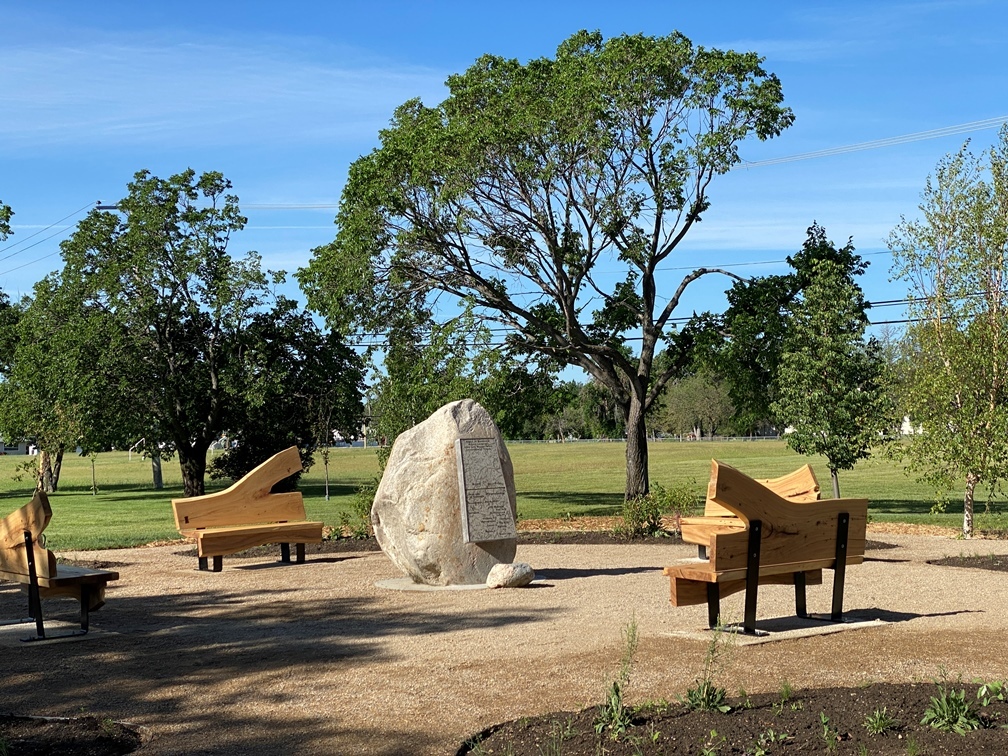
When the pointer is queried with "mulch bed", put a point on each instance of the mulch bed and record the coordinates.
(823, 721)
(75, 736)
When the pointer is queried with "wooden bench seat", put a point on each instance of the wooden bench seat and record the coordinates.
(247, 515)
(767, 539)
(25, 560)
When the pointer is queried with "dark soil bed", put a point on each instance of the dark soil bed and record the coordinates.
(76, 736)
(826, 721)
(997, 562)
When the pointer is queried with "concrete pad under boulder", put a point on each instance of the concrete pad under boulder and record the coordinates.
(420, 517)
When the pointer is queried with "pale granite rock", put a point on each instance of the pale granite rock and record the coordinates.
(417, 511)
(515, 575)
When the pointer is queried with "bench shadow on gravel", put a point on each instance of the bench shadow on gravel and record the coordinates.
(167, 658)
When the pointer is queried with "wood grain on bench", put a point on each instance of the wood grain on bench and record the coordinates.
(246, 514)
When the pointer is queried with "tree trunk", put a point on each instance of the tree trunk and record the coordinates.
(971, 481)
(57, 466)
(836, 483)
(155, 462)
(192, 461)
(49, 470)
(45, 472)
(636, 452)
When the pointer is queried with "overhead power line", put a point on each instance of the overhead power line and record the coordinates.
(962, 128)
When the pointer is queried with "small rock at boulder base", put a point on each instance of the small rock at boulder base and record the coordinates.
(515, 575)
(417, 510)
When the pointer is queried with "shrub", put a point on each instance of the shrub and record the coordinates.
(642, 516)
(357, 522)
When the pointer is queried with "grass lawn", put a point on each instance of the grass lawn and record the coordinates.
(553, 480)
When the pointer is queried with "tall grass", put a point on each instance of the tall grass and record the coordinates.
(552, 480)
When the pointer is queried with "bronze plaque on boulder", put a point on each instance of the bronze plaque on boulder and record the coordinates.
(486, 510)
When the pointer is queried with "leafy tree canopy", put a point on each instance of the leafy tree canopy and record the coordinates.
(954, 259)
(832, 384)
(524, 189)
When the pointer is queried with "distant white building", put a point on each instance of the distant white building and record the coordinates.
(6, 448)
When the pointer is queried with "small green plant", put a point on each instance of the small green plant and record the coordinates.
(560, 733)
(912, 747)
(614, 716)
(108, 726)
(766, 739)
(862, 749)
(880, 722)
(949, 711)
(705, 694)
(744, 699)
(995, 691)
(712, 744)
(785, 691)
(357, 522)
(829, 733)
(4, 747)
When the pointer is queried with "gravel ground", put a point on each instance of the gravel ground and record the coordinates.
(265, 658)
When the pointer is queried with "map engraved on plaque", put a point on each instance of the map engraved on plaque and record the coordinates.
(486, 509)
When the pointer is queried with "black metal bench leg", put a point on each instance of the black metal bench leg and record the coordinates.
(799, 594)
(85, 606)
(285, 552)
(840, 566)
(713, 605)
(752, 577)
(203, 564)
(218, 563)
(34, 596)
(300, 552)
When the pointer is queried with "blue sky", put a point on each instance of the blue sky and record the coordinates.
(282, 97)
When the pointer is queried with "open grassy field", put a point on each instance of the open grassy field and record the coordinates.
(553, 480)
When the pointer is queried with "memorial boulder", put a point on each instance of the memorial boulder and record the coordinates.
(444, 512)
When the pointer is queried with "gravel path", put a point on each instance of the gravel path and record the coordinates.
(316, 659)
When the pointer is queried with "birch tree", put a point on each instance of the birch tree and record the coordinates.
(954, 259)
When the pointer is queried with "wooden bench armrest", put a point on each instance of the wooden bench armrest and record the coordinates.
(701, 530)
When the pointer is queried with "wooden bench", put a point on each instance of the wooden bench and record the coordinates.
(24, 559)
(247, 514)
(781, 541)
(800, 485)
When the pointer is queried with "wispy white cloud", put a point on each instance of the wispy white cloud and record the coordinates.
(158, 92)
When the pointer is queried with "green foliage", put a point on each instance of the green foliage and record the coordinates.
(766, 739)
(712, 744)
(832, 384)
(705, 694)
(528, 176)
(953, 379)
(357, 522)
(879, 722)
(949, 711)
(697, 403)
(5, 216)
(829, 734)
(294, 387)
(614, 716)
(642, 515)
(992, 691)
(176, 304)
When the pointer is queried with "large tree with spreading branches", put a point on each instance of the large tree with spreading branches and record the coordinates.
(531, 183)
